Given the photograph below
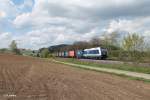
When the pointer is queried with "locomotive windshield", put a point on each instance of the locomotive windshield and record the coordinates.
(94, 52)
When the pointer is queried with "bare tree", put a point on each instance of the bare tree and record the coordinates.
(80, 45)
(95, 41)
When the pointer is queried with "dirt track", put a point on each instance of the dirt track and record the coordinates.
(24, 78)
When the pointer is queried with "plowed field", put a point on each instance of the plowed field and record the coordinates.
(25, 78)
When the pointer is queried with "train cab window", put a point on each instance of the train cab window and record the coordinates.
(85, 52)
(94, 52)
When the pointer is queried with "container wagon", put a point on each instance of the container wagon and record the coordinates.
(92, 53)
(79, 54)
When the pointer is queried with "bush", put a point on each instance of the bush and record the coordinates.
(45, 53)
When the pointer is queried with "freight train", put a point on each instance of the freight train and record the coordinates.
(91, 53)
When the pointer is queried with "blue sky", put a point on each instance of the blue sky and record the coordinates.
(18, 2)
(41, 23)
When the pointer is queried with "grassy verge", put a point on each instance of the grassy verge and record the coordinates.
(121, 75)
(132, 78)
(125, 67)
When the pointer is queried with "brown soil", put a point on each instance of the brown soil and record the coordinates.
(25, 78)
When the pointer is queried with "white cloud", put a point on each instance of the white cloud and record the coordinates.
(64, 21)
(50, 30)
(2, 14)
(23, 19)
(135, 25)
(122, 25)
(9, 8)
(45, 10)
(147, 34)
(5, 39)
(49, 36)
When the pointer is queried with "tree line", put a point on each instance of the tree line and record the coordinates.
(131, 47)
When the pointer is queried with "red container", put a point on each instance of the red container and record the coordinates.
(72, 53)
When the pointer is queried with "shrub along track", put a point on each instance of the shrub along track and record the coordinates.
(25, 78)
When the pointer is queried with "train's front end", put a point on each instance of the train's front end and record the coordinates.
(104, 53)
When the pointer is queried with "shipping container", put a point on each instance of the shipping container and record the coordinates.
(62, 54)
(59, 54)
(79, 54)
(72, 54)
(66, 54)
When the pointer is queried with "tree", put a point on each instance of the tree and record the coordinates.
(95, 42)
(45, 53)
(80, 45)
(114, 38)
(134, 45)
(133, 42)
(111, 38)
(14, 48)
